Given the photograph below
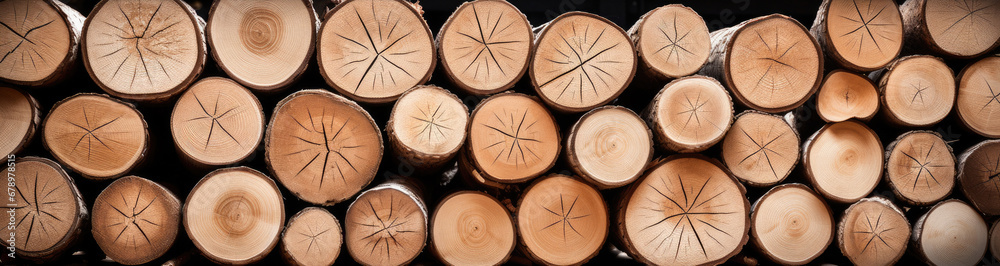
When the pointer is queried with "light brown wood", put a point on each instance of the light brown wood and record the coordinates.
(511, 123)
(95, 135)
(846, 95)
(472, 177)
(979, 176)
(843, 161)
(690, 114)
(49, 212)
(41, 41)
(472, 228)
(916, 91)
(957, 29)
(135, 220)
(323, 147)
(234, 215)
(581, 61)
(264, 45)
(671, 41)
(375, 49)
(769, 63)
(950, 233)
(145, 51)
(848, 30)
(561, 221)
(760, 149)
(216, 122)
(20, 121)
(791, 224)
(386, 225)
(312, 237)
(920, 168)
(609, 146)
(873, 231)
(427, 126)
(711, 211)
(485, 46)
(995, 240)
(978, 103)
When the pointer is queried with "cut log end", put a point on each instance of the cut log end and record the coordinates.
(21, 119)
(876, 43)
(581, 61)
(472, 228)
(845, 95)
(952, 29)
(96, 135)
(978, 103)
(47, 32)
(799, 224)
(609, 146)
(760, 149)
(427, 126)
(217, 122)
(135, 220)
(690, 114)
(672, 41)
(873, 231)
(561, 221)
(843, 161)
(920, 167)
(234, 215)
(312, 238)
(950, 233)
(510, 123)
(979, 176)
(917, 91)
(323, 147)
(386, 225)
(485, 46)
(58, 210)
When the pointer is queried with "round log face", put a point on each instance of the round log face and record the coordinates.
(921, 168)
(562, 221)
(485, 46)
(760, 149)
(792, 224)
(430, 120)
(135, 220)
(217, 122)
(36, 31)
(513, 138)
(979, 176)
(978, 103)
(611, 146)
(674, 41)
(844, 161)
(855, 27)
(692, 113)
(19, 119)
(386, 225)
(312, 237)
(47, 208)
(95, 135)
(873, 232)
(919, 90)
(963, 29)
(951, 233)
(472, 228)
(773, 64)
(845, 95)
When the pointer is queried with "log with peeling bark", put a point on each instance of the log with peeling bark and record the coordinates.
(472, 228)
(954, 29)
(769, 63)
(485, 46)
(144, 51)
(920, 168)
(761, 149)
(671, 42)
(41, 41)
(609, 146)
(561, 221)
(473, 178)
(312, 238)
(845, 95)
(690, 114)
(791, 224)
(48, 209)
(427, 126)
(21, 120)
(843, 161)
(916, 90)
(859, 35)
(374, 50)
(386, 225)
(977, 104)
(216, 122)
(979, 176)
(135, 220)
(950, 233)
(873, 231)
(510, 123)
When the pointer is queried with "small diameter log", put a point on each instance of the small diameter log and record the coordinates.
(427, 126)
(472, 228)
(916, 91)
(953, 29)
(234, 215)
(978, 103)
(145, 51)
(581, 61)
(264, 45)
(44, 38)
(323, 147)
(979, 176)
(859, 35)
(873, 231)
(843, 161)
(690, 114)
(950, 233)
(920, 168)
(386, 225)
(312, 237)
(995, 240)
(791, 225)
(216, 122)
(769, 63)
(671, 41)
(846, 95)
(95, 135)
(21, 119)
(710, 209)
(511, 123)
(609, 146)
(561, 221)
(374, 50)
(760, 149)
(135, 220)
(485, 46)
(47, 207)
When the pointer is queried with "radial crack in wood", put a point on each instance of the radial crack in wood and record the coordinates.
(920, 167)
(760, 149)
(848, 30)
(978, 102)
(485, 46)
(40, 41)
(312, 237)
(21, 119)
(135, 220)
(950, 233)
(609, 146)
(957, 29)
(916, 91)
(845, 95)
(671, 41)
(979, 176)
(427, 126)
(217, 122)
(512, 138)
(561, 221)
(791, 225)
(690, 114)
(472, 228)
(873, 231)
(386, 225)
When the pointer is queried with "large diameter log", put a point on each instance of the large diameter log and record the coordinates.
(609, 146)
(234, 215)
(374, 50)
(873, 231)
(686, 210)
(859, 35)
(95, 135)
(264, 45)
(321, 146)
(843, 161)
(791, 224)
(217, 122)
(690, 114)
(48, 211)
(920, 167)
(950, 233)
(978, 103)
(671, 42)
(916, 91)
(44, 38)
(485, 46)
(846, 95)
(561, 221)
(953, 29)
(145, 51)
(135, 220)
(427, 126)
(472, 228)
(760, 149)
(769, 63)
(312, 238)
(21, 120)
(512, 138)
(581, 61)
(979, 176)
(386, 225)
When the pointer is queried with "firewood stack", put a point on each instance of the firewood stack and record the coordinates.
(285, 132)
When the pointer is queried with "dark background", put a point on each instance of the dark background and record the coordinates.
(162, 164)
